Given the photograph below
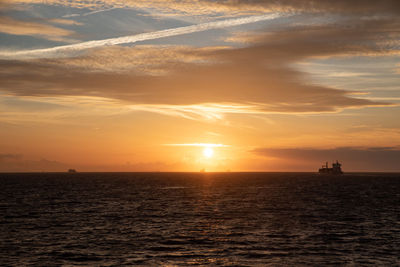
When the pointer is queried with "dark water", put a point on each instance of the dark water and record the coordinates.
(240, 219)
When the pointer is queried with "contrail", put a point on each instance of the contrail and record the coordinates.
(141, 37)
(89, 13)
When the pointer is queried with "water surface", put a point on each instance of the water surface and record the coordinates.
(240, 219)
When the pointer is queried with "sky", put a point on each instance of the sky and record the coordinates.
(172, 85)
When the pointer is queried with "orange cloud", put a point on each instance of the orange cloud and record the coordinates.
(143, 59)
(232, 7)
(18, 27)
(211, 81)
(64, 21)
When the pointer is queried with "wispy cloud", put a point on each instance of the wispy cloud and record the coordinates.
(205, 7)
(206, 111)
(18, 27)
(16, 163)
(89, 13)
(198, 145)
(141, 37)
(143, 59)
(65, 21)
(4, 157)
(257, 79)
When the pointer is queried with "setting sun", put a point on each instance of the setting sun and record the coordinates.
(208, 152)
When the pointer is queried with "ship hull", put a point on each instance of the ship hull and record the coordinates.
(324, 171)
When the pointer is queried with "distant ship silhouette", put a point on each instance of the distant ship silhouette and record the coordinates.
(336, 168)
(71, 171)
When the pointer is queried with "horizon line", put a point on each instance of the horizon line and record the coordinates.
(309, 172)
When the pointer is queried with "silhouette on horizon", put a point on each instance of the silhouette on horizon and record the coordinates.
(336, 168)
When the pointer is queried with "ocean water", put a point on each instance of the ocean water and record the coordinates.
(183, 219)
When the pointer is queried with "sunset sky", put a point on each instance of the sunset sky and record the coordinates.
(172, 85)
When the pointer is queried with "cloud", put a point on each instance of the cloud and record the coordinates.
(209, 82)
(205, 111)
(353, 158)
(211, 7)
(25, 165)
(7, 157)
(89, 13)
(18, 27)
(345, 37)
(161, 7)
(144, 59)
(244, 89)
(341, 6)
(16, 163)
(199, 145)
(45, 52)
(64, 21)
(398, 69)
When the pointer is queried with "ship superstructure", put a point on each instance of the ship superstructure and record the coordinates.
(336, 168)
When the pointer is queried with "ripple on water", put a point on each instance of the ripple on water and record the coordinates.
(190, 219)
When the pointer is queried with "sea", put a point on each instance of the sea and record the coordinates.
(200, 219)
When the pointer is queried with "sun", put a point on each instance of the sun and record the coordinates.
(208, 152)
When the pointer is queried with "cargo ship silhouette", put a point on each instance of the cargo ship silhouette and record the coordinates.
(336, 168)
